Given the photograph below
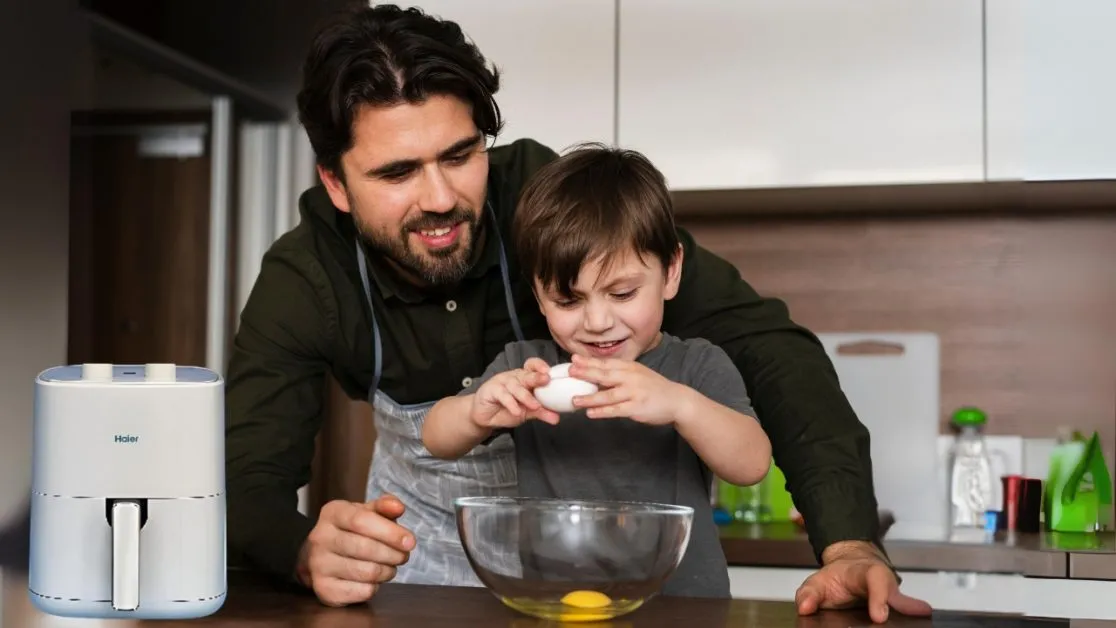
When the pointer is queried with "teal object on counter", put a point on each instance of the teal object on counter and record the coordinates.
(721, 517)
(991, 520)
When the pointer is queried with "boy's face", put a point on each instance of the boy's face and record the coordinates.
(617, 314)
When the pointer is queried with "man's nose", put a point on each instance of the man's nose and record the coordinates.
(437, 193)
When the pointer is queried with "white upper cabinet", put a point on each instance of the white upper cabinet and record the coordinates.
(781, 93)
(557, 59)
(1051, 89)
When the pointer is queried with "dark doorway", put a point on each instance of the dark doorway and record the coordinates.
(139, 237)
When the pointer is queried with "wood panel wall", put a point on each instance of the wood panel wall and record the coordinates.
(1025, 306)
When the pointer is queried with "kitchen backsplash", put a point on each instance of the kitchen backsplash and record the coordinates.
(1016, 336)
(1023, 307)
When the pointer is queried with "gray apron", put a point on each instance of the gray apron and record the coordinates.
(402, 466)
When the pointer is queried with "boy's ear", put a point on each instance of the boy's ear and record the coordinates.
(673, 275)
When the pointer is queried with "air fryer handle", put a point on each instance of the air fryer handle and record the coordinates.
(126, 521)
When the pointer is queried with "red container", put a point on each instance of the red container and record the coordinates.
(1022, 504)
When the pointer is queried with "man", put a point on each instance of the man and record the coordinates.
(398, 282)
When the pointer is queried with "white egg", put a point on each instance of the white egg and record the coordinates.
(559, 393)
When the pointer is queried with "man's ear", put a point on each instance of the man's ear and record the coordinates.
(674, 275)
(335, 188)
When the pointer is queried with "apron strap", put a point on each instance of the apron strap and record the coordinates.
(365, 284)
(508, 298)
(377, 347)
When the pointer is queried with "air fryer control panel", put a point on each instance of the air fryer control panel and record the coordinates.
(154, 373)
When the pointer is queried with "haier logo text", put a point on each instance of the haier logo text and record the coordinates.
(125, 438)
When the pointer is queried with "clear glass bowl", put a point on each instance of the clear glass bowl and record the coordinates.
(571, 560)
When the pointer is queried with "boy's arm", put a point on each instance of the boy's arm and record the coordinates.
(715, 416)
(449, 431)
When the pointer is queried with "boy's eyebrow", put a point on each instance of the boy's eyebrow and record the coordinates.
(622, 279)
(410, 164)
(553, 291)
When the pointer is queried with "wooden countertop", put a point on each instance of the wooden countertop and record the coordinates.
(256, 604)
(1049, 555)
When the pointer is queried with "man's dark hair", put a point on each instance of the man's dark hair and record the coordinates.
(594, 201)
(382, 56)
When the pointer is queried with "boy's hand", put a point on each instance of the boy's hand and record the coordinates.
(507, 399)
(628, 389)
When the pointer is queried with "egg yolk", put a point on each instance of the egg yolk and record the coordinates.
(586, 599)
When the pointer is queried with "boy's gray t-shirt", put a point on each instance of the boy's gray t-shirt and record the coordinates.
(621, 459)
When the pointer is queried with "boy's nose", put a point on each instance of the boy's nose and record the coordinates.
(597, 319)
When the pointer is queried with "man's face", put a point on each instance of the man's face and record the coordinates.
(415, 183)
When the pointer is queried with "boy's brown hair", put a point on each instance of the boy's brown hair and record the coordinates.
(591, 202)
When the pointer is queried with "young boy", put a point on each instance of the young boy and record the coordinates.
(595, 232)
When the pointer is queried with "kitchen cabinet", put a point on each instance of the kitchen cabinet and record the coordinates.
(754, 93)
(971, 592)
(557, 59)
(1072, 598)
(1051, 89)
(955, 592)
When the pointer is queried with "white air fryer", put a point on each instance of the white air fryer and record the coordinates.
(128, 492)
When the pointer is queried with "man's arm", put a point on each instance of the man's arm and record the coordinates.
(273, 400)
(816, 438)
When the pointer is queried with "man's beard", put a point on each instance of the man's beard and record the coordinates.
(436, 267)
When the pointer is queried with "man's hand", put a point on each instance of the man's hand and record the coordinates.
(353, 548)
(852, 572)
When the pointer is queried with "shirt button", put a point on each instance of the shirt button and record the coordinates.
(467, 382)
(451, 306)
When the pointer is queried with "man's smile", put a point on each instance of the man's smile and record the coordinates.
(439, 237)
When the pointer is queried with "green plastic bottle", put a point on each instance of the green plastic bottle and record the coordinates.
(743, 503)
(778, 499)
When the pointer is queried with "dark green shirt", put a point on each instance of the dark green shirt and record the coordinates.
(307, 316)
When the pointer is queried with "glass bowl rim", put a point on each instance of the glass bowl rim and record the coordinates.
(553, 504)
